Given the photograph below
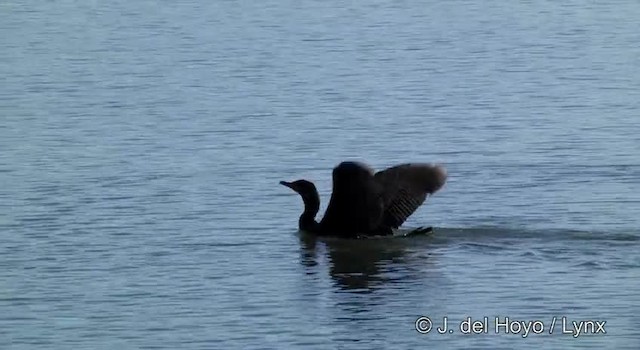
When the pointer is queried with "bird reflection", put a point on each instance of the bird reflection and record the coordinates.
(355, 265)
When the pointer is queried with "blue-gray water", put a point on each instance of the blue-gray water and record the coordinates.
(142, 142)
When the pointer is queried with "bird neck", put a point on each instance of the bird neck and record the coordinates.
(307, 220)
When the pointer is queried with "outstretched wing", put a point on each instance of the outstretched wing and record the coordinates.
(405, 187)
(356, 205)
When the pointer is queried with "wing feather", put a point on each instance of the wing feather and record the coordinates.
(405, 187)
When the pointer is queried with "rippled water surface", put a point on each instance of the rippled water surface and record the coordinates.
(142, 142)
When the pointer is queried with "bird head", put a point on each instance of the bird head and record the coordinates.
(305, 188)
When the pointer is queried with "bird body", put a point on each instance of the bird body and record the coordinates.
(367, 203)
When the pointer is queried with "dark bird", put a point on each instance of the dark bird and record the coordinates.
(368, 203)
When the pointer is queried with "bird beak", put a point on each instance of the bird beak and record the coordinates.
(288, 184)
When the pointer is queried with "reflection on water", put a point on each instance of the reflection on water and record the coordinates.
(357, 265)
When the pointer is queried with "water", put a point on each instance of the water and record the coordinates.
(142, 142)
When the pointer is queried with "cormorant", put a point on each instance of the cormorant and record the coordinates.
(368, 203)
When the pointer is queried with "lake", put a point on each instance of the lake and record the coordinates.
(142, 142)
